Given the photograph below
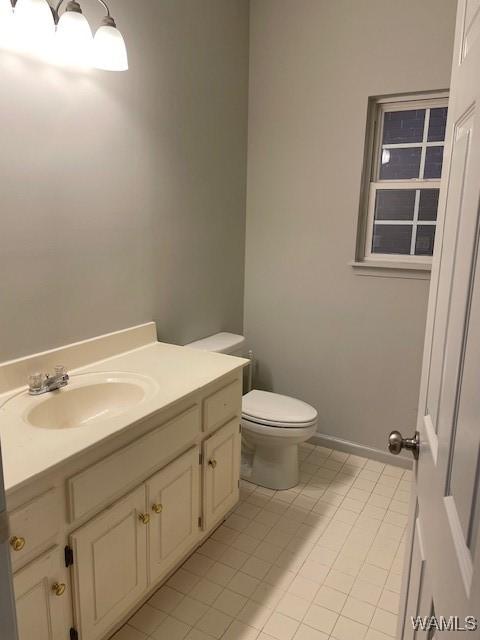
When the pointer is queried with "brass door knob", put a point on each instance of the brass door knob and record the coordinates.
(157, 508)
(212, 463)
(396, 442)
(144, 517)
(58, 588)
(17, 543)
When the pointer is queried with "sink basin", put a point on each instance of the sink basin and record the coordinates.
(87, 399)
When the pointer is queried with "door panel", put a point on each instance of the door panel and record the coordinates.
(221, 472)
(110, 569)
(41, 614)
(448, 469)
(173, 497)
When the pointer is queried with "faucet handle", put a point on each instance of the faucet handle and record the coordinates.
(60, 371)
(36, 381)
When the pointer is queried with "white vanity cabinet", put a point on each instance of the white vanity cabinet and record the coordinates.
(125, 516)
(173, 501)
(42, 591)
(221, 472)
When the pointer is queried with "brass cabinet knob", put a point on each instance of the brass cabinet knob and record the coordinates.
(144, 517)
(17, 543)
(58, 588)
(157, 508)
(212, 463)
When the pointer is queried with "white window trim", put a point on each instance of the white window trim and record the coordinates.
(366, 262)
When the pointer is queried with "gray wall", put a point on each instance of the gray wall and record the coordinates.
(350, 345)
(122, 196)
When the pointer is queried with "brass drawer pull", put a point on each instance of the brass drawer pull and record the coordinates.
(144, 517)
(157, 508)
(16, 543)
(58, 588)
(212, 463)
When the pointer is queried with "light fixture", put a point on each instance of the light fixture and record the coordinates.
(109, 50)
(74, 39)
(33, 26)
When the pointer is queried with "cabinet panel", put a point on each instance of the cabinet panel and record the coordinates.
(41, 613)
(34, 525)
(104, 481)
(222, 406)
(173, 499)
(221, 472)
(110, 568)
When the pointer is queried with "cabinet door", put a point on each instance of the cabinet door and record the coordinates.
(110, 565)
(221, 472)
(43, 598)
(174, 501)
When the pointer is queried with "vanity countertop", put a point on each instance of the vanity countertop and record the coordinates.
(173, 372)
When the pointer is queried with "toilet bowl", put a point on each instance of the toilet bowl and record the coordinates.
(273, 425)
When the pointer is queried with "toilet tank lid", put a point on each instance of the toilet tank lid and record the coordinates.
(220, 342)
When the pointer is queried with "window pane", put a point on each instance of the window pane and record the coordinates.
(433, 162)
(391, 238)
(394, 204)
(425, 240)
(400, 164)
(403, 126)
(428, 206)
(437, 124)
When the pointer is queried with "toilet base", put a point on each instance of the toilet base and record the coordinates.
(275, 467)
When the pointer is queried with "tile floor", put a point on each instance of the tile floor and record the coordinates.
(318, 562)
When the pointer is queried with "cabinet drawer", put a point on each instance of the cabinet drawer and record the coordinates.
(222, 406)
(103, 482)
(34, 525)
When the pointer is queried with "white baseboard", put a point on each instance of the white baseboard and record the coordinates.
(361, 450)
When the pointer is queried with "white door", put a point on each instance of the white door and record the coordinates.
(443, 571)
(43, 599)
(221, 472)
(110, 565)
(173, 497)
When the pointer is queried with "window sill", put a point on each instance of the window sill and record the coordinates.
(385, 269)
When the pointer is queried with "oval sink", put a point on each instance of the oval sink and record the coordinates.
(87, 399)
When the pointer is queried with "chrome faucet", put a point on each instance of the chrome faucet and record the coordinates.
(40, 383)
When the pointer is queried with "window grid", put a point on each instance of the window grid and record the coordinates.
(416, 184)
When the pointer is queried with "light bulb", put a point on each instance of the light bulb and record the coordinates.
(33, 26)
(109, 50)
(74, 40)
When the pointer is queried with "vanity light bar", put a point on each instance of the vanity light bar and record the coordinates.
(36, 28)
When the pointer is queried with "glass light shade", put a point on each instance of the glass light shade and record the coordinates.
(6, 9)
(109, 50)
(33, 26)
(74, 40)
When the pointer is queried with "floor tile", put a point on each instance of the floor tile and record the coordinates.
(320, 618)
(346, 629)
(281, 627)
(330, 598)
(230, 602)
(239, 631)
(214, 623)
(293, 606)
(189, 610)
(129, 633)
(171, 629)
(147, 619)
(166, 599)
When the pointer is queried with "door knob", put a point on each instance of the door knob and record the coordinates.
(396, 442)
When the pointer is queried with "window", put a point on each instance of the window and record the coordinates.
(405, 167)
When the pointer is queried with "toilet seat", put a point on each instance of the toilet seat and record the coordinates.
(277, 411)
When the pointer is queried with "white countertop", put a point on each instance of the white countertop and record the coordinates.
(29, 451)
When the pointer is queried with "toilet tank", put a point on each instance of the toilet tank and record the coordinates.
(229, 343)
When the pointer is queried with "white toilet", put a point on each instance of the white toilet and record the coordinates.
(273, 425)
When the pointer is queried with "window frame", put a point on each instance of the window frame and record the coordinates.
(371, 182)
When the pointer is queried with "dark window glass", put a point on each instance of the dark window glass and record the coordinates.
(433, 162)
(428, 205)
(394, 204)
(400, 164)
(403, 126)
(425, 240)
(437, 124)
(391, 238)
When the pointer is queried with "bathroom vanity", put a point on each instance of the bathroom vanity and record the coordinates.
(115, 479)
